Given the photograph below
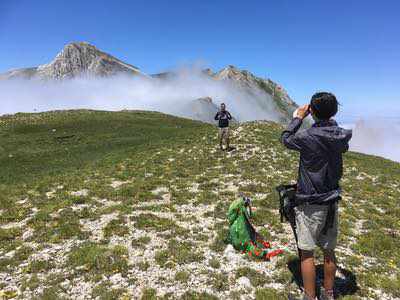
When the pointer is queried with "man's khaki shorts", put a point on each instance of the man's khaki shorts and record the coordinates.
(224, 133)
(310, 220)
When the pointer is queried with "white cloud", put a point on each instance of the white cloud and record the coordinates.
(117, 93)
(376, 136)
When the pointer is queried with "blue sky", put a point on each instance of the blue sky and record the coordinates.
(351, 48)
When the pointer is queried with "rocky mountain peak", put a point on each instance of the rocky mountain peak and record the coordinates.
(83, 59)
(208, 72)
(205, 99)
(77, 49)
(233, 73)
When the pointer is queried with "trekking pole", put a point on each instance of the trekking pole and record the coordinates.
(286, 208)
(293, 226)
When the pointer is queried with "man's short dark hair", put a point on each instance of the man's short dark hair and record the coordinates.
(223, 104)
(324, 105)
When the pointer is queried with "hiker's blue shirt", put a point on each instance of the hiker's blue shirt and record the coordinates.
(321, 167)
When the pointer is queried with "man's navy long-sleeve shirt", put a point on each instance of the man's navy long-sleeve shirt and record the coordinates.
(223, 118)
(321, 166)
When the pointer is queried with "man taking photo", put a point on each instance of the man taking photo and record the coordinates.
(223, 116)
(318, 192)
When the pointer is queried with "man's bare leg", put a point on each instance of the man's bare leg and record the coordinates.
(329, 270)
(308, 272)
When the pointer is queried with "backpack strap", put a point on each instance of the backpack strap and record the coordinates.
(286, 194)
(287, 203)
(330, 217)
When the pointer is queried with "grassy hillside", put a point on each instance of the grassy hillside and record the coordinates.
(132, 205)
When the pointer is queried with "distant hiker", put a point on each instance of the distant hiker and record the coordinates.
(318, 192)
(223, 116)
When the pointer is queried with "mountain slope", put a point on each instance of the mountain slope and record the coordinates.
(202, 109)
(77, 60)
(274, 94)
(265, 98)
(107, 204)
(25, 73)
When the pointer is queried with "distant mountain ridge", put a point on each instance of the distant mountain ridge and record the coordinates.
(76, 59)
(202, 109)
(284, 105)
(81, 59)
(252, 85)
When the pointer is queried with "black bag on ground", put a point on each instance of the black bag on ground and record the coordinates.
(287, 194)
(287, 203)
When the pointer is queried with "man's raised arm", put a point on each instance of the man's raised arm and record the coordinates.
(289, 138)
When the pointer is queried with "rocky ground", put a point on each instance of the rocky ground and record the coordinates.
(152, 225)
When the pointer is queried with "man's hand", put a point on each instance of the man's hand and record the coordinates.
(303, 111)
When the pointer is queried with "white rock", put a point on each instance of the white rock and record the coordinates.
(229, 250)
(83, 192)
(27, 233)
(65, 284)
(96, 226)
(244, 282)
(22, 201)
(160, 190)
(116, 278)
(10, 254)
(117, 183)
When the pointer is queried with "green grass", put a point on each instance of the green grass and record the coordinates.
(7, 235)
(57, 229)
(214, 263)
(180, 230)
(49, 144)
(151, 221)
(219, 281)
(30, 283)
(179, 252)
(105, 292)
(116, 227)
(37, 266)
(182, 276)
(268, 293)
(98, 258)
(256, 278)
(197, 296)
(220, 241)
(141, 242)
(143, 265)
(149, 294)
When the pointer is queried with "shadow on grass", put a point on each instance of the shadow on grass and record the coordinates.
(345, 281)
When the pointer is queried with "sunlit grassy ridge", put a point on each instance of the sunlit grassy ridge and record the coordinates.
(132, 204)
